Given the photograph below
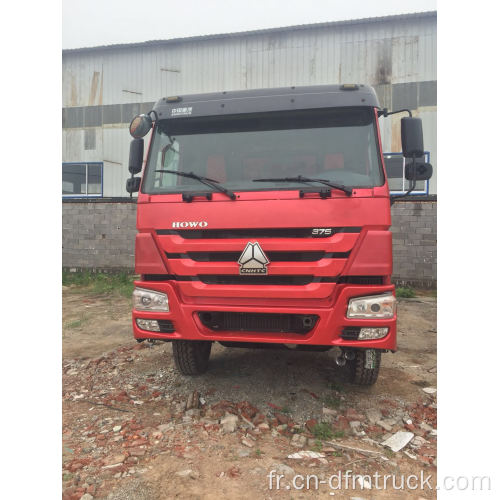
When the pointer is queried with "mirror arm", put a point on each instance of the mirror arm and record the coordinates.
(413, 184)
(155, 115)
(385, 112)
(131, 176)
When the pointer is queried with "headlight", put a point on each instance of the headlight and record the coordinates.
(375, 306)
(148, 300)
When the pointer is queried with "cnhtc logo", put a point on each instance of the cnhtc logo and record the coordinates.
(253, 260)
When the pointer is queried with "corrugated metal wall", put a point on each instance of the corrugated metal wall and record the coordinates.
(104, 87)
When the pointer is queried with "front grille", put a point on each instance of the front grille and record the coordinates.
(350, 332)
(258, 322)
(277, 279)
(157, 277)
(168, 277)
(301, 232)
(273, 256)
(235, 279)
(166, 326)
(362, 280)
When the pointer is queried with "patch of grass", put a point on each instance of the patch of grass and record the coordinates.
(67, 476)
(331, 402)
(322, 431)
(286, 410)
(258, 453)
(76, 323)
(338, 434)
(335, 386)
(100, 283)
(337, 454)
(318, 446)
(388, 453)
(426, 292)
(405, 293)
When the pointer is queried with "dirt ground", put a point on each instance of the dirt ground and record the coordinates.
(133, 428)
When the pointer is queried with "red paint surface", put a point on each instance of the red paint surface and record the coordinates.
(370, 255)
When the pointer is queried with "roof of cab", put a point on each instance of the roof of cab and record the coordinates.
(266, 100)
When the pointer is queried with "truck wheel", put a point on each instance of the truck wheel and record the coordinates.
(359, 373)
(191, 356)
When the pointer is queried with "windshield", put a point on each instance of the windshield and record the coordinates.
(337, 145)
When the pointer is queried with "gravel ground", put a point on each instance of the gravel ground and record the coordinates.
(133, 428)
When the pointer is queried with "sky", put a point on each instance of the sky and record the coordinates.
(87, 23)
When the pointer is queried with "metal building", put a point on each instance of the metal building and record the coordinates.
(104, 87)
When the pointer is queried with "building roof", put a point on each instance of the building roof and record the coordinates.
(156, 43)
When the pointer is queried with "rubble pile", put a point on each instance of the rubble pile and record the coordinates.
(117, 422)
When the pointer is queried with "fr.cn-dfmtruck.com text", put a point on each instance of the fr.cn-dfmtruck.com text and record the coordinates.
(348, 480)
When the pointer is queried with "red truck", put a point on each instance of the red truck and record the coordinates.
(263, 218)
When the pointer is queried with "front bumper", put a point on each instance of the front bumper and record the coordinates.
(327, 330)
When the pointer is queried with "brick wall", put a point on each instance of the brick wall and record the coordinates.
(98, 235)
(414, 243)
(101, 236)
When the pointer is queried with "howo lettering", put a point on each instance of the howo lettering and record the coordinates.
(190, 224)
(263, 218)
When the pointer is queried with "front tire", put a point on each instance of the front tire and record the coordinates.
(191, 356)
(357, 369)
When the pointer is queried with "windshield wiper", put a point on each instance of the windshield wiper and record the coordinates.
(300, 178)
(204, 180)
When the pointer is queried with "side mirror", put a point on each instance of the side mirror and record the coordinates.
(133, 185)
(412, 137)
(418, 171)
(140, 126)
(136, 156)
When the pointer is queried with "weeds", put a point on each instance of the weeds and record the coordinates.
(335, 386)
(322, 431)
(331, 402)
(100, 283)
(405, 293)
(77, 323)
(318, 446)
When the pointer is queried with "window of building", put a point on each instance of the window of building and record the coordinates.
(394, 166)
(82, 180)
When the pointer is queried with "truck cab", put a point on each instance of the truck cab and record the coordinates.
(263, 217)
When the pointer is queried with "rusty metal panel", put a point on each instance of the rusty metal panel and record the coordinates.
(377, 54)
